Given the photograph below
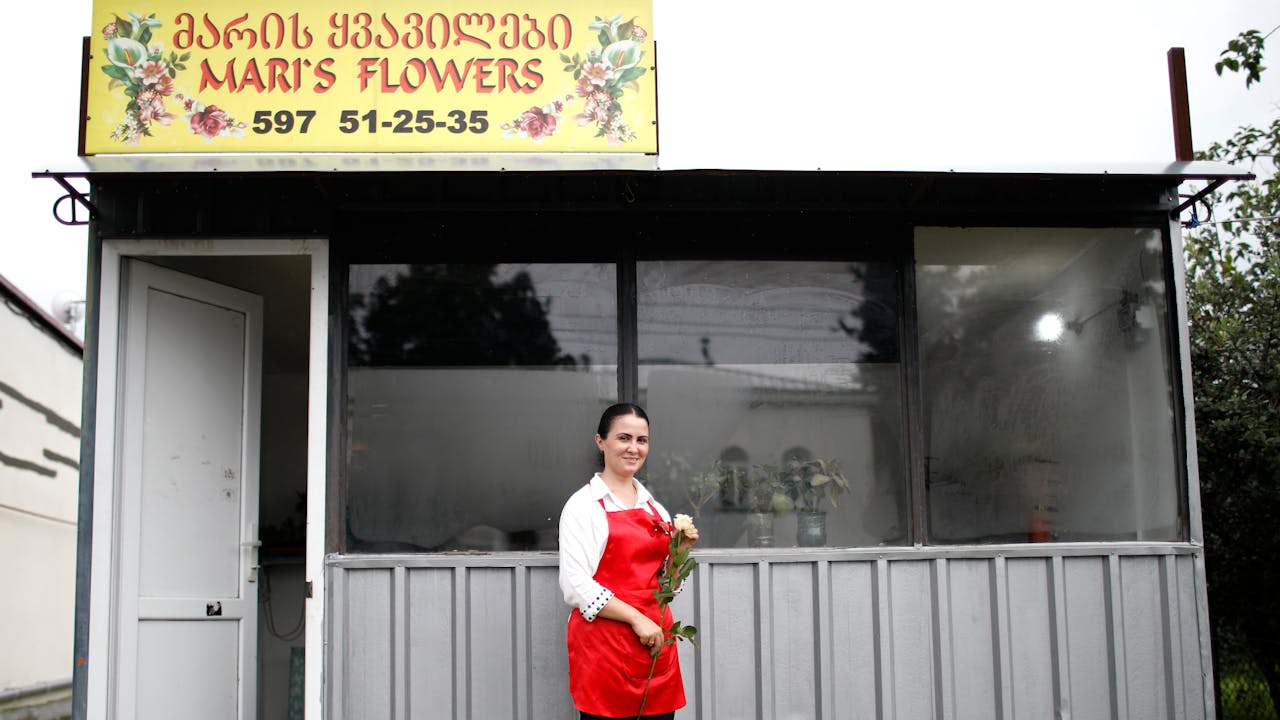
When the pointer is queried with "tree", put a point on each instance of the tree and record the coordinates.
(1233, 283)
(447, 315)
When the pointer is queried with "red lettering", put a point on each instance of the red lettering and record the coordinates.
(217, 36)
(231, 33)
(338, 23)
(450, 74)
(414, 36)
(510, 39)
(183, 38)
(417, 66)
(273, 22)
(366, 71)
(506, 69)
(363, 38)
(566, 30)
(437, 19)
(394, 34)
(533, 38)
(278, 71)
(471, 19)
(387, 87)
(252, 76)
(378, 74)
(265, 27)
(532, 75)
(324, 75)
(208, 79)
(483, 72)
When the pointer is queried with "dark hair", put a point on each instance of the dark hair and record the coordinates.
(614, 412)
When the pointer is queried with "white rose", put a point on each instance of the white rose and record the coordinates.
(682, 523)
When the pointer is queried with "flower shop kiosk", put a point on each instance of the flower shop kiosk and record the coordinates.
(335, 399)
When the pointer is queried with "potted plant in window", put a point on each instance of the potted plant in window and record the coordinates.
(764, 493)
(676, 476)
(703, 486)
(807, 483)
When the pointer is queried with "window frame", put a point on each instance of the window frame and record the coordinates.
(658, 236)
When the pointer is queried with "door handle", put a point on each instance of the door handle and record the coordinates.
(252, 546)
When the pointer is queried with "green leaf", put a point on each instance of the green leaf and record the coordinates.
(630, 74)
(116, 72)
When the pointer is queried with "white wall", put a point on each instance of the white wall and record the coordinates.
(40, 381)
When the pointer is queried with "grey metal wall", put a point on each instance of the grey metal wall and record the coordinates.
(1101, 631)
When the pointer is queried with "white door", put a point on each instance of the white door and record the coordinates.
(186, 629)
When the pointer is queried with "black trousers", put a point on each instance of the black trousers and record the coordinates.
(662, 716)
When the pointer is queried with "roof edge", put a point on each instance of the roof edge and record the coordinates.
(576, 162)
(41, 317)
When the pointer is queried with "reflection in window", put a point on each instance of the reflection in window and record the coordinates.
(746, 360)
(736, 468)
(1047, 393)
(465, 383)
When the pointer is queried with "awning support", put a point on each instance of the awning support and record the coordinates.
(73, 194)
(1193, 199)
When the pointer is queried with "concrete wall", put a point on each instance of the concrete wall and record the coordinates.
(40, 380)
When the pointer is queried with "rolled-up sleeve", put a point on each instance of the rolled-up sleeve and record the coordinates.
(581, 546)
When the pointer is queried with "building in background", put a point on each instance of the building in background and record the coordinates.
(40, 387)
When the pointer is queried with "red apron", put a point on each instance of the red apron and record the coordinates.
(607, 664)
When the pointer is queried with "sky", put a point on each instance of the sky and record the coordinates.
(856, 85)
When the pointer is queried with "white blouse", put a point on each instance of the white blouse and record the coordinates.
(584, 531)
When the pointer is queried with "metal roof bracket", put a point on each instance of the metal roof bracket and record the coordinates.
(1193, 199)
(74, 195)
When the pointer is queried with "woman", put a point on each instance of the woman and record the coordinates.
(614, 543)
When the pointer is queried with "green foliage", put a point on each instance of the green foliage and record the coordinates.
(765, 492)
(700, 485)
(678, 570)
(1244, 53)
(1233, 288)
(679, 567)
(806, 483)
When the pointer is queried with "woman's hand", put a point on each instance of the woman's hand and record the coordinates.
(647, 631)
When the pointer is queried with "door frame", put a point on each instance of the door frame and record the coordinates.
(104, 556)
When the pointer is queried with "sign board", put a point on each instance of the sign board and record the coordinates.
(233, 76)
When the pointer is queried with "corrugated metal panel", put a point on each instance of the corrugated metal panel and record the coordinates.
(1028, 632)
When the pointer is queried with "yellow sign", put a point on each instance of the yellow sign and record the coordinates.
(232, 76)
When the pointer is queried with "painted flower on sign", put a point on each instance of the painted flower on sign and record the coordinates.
(209, 122)
(536, 123)
(609, 68)
(146, 74)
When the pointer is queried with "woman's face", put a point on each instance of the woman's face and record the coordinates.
(626, 447)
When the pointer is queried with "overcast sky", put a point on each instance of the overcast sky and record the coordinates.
(912, 85)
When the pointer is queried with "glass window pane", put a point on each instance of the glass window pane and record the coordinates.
(759, 377)
(1046, 385)
(465, 383)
